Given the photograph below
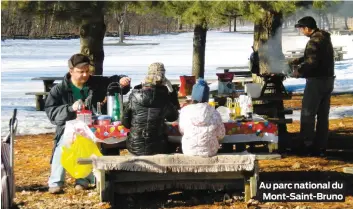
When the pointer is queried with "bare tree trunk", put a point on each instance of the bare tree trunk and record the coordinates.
(268, 42)
(295, 20)
(327, 21)
(122, 18)
(333, 21)
(346, 22)
(52, 19)
(91, 38)
(235, 24)
(167, 25)
(320, 22)
(230, 23)
(180, 24)
(199, 46)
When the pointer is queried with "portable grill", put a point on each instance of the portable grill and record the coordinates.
(273, 82)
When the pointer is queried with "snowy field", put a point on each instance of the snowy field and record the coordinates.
(22, 60)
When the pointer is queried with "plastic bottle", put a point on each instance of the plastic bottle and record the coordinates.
(212, 102)
(99, 109)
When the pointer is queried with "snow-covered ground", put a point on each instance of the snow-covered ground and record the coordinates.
(22, 60)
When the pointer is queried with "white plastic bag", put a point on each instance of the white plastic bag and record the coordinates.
(245, 105)
(74, 127)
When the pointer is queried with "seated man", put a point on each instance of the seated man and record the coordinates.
(145, 113)
(62, 103)
(201, 124)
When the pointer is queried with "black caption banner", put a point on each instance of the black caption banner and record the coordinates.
(301, 191)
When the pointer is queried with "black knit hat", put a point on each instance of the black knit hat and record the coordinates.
(78, 60)
(307, 21)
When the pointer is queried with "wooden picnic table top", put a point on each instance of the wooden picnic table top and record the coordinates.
(48, 78)
(296, 50)
(245, 67)
(336, 48)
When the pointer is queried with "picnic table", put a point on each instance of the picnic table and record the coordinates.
(48, 81)
(237, 132)
(40, 97)
(296, 53)
(238, 71)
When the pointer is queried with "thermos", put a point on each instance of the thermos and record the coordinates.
(114, 101)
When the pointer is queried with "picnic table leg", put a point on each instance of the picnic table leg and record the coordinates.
(282, 128)
(247, 192)
(40, 102)
(47, 85)
(250, 182)
(100, 184)
(272, 147)
(253, 180)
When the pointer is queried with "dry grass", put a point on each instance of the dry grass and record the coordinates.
(32, 156)
(336, 101)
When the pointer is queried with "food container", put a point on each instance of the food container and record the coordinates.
(104, 120)
(253, 89)
(108, 131)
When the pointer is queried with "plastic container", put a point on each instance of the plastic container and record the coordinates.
(84, 115)
(253, 90)
(104, 120)
(225, 113)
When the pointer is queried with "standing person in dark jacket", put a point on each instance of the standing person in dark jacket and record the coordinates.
(317, 66)
(146, 112)
(63, 102)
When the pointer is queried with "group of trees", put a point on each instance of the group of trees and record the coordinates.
(201, 15)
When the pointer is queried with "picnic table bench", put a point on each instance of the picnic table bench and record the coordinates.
(40, 97)
(296, 53)
(138, 174)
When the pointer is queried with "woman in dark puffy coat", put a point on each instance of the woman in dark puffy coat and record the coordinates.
(146, 112)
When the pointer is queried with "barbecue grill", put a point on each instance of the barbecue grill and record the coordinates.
(273, 81)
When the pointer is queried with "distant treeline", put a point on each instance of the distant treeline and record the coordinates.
(16, 25)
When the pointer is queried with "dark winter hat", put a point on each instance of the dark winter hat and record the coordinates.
(78, 60)
(307, 21)
(200, 91)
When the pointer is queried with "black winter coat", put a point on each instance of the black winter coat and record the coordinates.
(145, 114)
(173, 96)
(58, 105)
(318, 59)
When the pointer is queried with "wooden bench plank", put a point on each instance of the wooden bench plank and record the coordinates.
(348, 170)
(280, 120)
(128, 176)
(37, 93)
(274, 97)
(266, 109)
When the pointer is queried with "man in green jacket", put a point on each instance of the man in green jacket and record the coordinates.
(317, 67)
(63, 102)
